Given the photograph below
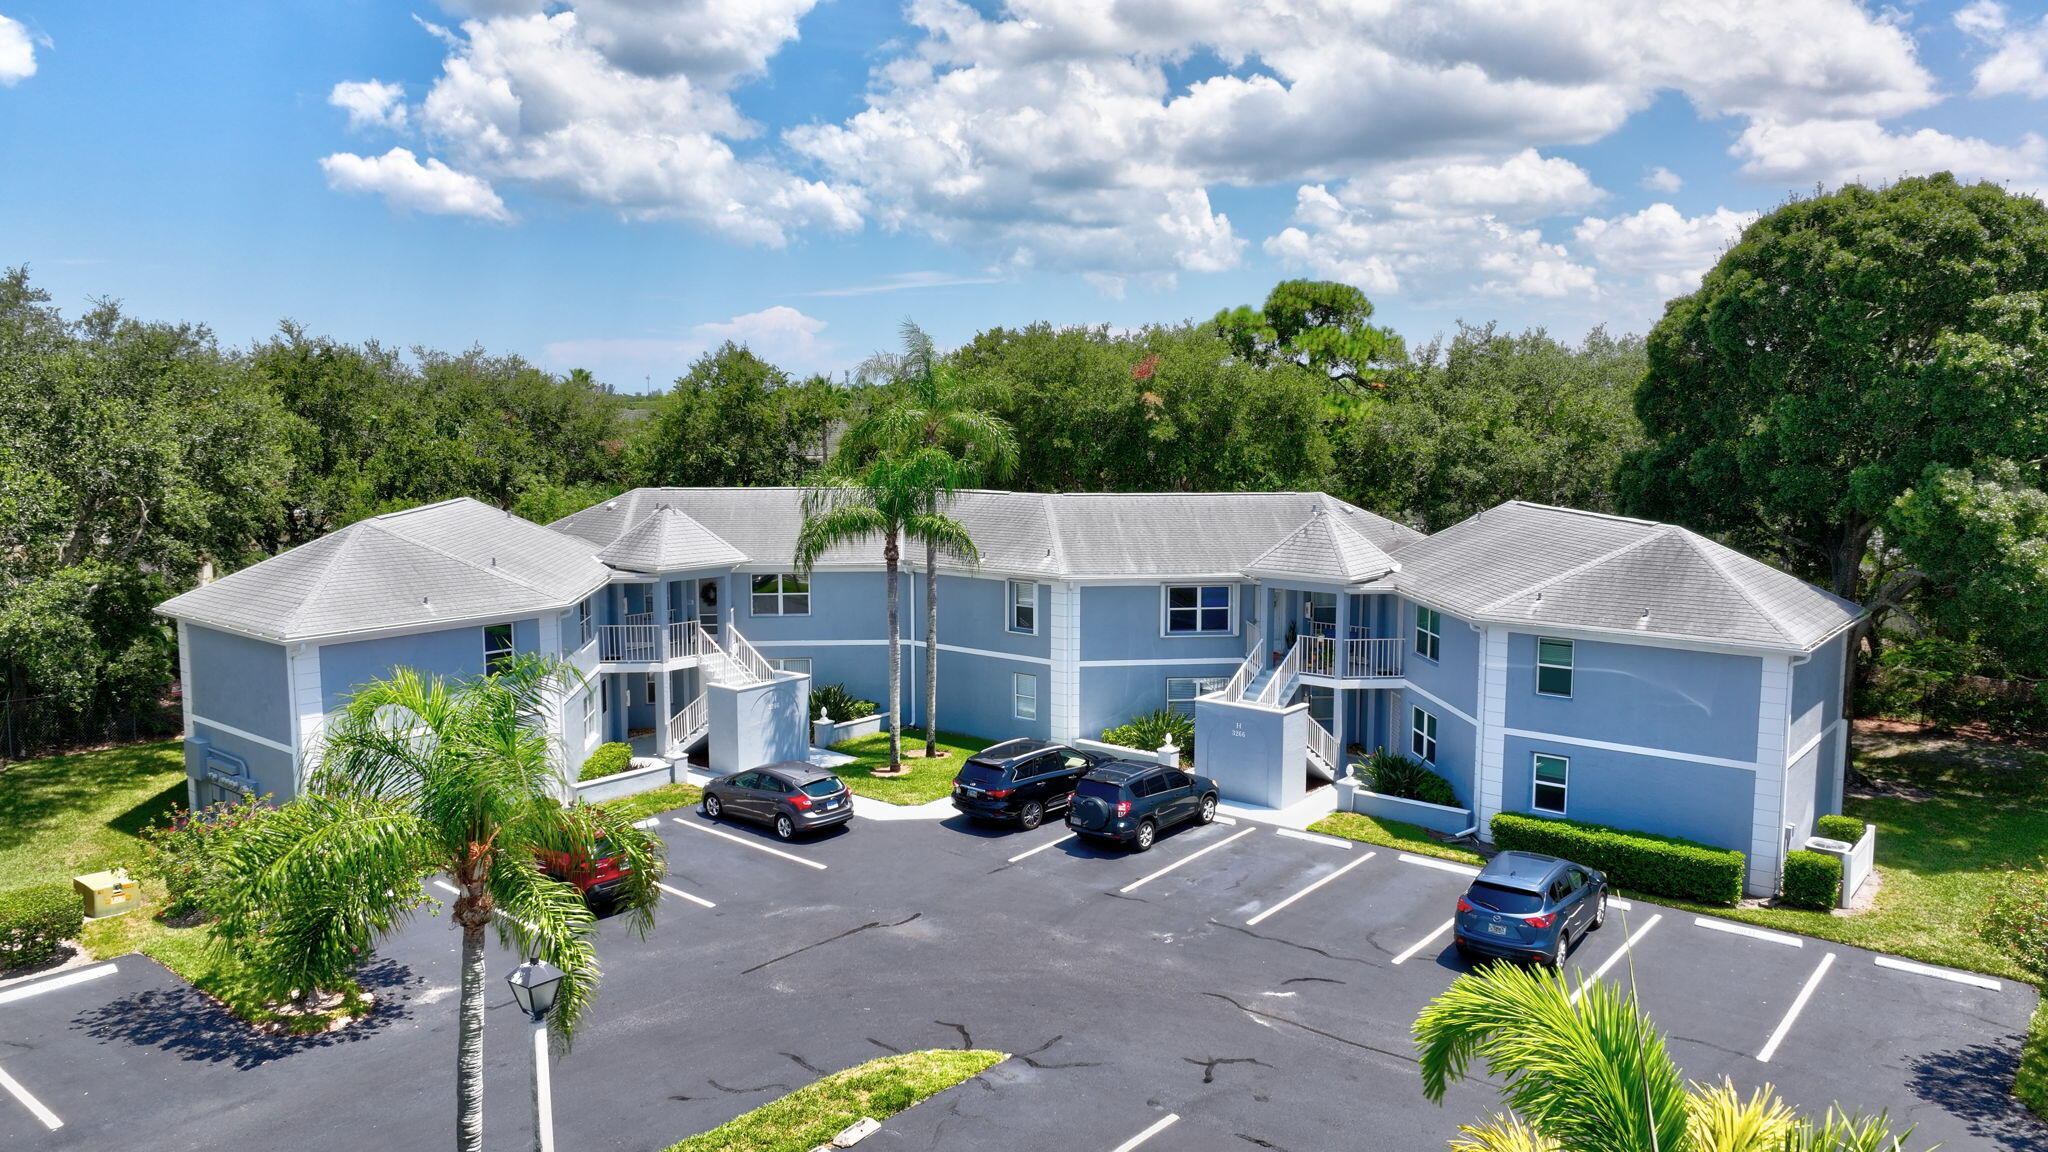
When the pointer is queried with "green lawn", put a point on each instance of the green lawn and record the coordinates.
(65, 815)
(641, 805)
(928, 780)
(1410, 838)
(812, 1115)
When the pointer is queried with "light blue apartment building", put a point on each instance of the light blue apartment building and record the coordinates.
(1540, 659)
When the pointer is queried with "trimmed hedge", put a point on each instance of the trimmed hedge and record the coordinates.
(608, 760)
(1637, 861)
(36, 920)
(1847, 829)
(1812, 879)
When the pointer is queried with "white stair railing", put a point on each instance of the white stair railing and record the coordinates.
(1322, 744)
(1318, 655)
(1246, 672)
(630, 642)
(744, 655)
(686, 638)
(1283, 677)
(684, 724)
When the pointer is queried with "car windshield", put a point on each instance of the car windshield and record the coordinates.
(822, 786)
(1513, 901)
(1100, 789)
(982, 774)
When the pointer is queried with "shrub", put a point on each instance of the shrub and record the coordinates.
(184, 851)
(607, 760)
(35, 920)
(1847, 829)
(1152, 730)
(839, 703)
(2018, 920)
(1638, 861)
(1812, 879)
(1392, 774)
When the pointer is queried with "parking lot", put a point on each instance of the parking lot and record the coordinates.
(1239, 986)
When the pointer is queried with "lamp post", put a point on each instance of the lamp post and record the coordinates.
(534, 984)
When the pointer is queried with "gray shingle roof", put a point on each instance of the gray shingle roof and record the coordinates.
(667, 540)
(1325, 548)
(456, 560)
(1530, 564)
(1138, 535)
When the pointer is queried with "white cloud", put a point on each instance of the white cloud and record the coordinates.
(2019, 63)
(1662, 179)
(17, 52)
(409, 185)
(1838, 151)
(906, 281)
(370, 103)
(1659, 247)
(781, 335)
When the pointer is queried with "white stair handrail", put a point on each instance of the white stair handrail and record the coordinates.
(689, 719)
(1322, 743)
(746, 657)
(1290, 667)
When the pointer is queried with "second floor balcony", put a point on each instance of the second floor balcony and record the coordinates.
(648, 643)
(1358, 657)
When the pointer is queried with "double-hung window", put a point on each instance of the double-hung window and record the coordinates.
(1198, 609)
(497, 646)
(1182, 690)
(1024, 695)
(1552, 773)
(798, 664)
(585, 627)
(1554, 667)
(781, 594)
(589, 714)
(1429, 628)
(1024, 607)
(1422, 735)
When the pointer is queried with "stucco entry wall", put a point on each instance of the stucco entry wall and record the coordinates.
(1256, 755)
(756, 724)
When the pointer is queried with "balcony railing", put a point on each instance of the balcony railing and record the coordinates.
(652, 643)
(693, 716)
(1355, 659)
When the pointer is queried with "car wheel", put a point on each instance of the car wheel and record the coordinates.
(785, 828)
(1146, 832)
(1208, 815)
(1032, 816)
(712, 808)
(1599, 913)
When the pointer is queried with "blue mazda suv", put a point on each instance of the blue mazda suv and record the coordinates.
(1523, 906)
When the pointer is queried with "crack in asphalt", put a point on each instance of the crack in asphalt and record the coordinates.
(832, 939)
(966, 1040)
(1248, 1010)
(1291, 944)
(744, 1091)
(885, 1047)
(1043, 1065)
(804, 1064)
(1309, 980)
(1261, 1143)
(1210, 1065)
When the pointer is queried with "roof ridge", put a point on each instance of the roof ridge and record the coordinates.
(344, 539)
(1574, 570)
(1694, 541)
(1614, 516)
(1050, 502)
(492, 568)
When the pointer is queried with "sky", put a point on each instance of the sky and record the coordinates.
(620, 185)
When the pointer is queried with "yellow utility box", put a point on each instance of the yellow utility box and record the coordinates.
(105, 893)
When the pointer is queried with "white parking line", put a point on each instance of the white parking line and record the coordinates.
(1611, 961)
(34, 1105)
(1419, 945)
(1938, 973)
(749, 843)
(1158, 1126)
(1135, 884)
(445, 886)
(1446, 865)
(1222, 819)
(24, 991)
(1732, 927)
(1792, 1013)
(1253, 922)
(1042, 847)
(1313, 838)
(698, 900)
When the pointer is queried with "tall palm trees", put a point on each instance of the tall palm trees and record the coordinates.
(932, 413)
(419, 775)
(896, 497)
(1594, 1077)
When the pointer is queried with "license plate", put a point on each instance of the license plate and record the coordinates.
(970, 791)
(831, 803)
(1497, 929)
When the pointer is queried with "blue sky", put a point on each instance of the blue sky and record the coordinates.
(618, 184)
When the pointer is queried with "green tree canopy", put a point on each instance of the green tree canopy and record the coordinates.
(735, 419)
(1321, 325)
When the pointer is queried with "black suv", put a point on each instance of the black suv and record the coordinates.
(1132, 803)
(1020, 780)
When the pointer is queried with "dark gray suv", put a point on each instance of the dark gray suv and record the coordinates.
(1524, 906)
(1132, 803)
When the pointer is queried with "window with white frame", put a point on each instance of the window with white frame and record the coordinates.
(1429, 628)
(1548, 789)
(1024, 607)
(651, 682)
(1422, 735)
(1024, 695)
(497, 646)
(799, 664)
(1198, 609)
(1182, 690)
(589, 714)
(1554, 667)
(585, 623)
(781, 594)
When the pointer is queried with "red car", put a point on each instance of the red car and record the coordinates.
(598, 876)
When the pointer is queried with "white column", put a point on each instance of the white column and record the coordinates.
(1491, 770)
(1064, 715)
(1767, 822)
(543, 1090)
(309, 709)
(1340, 704)
(185, 703)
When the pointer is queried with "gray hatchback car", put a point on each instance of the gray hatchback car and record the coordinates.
(1524, 906)
(789, 796)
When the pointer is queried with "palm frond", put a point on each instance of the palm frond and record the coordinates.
(1501, 1134)
(842, 523)
(1840, 1131)
(547, 918)
(1720, 1120)
(943, 533)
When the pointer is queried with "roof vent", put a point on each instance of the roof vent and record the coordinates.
(425, 600)
(1643, 621)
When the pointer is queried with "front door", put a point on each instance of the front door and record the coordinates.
(707, 605)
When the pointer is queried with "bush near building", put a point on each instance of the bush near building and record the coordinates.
(1636, 861)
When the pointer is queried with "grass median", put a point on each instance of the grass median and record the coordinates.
(1410, 838)
(812, 1115)
(926, 780)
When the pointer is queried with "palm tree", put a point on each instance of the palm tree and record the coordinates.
(416, 775)
(1594, 1077)
(933, 412)
(893, 496)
